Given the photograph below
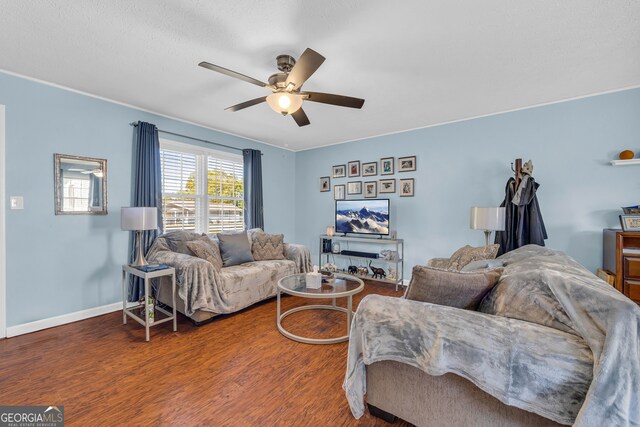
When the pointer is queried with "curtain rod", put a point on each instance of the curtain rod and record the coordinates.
(135, 124)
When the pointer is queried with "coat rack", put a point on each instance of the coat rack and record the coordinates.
(518, 171)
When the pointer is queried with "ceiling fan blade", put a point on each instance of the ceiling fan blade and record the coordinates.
(301, 117)
(231, 73)
(329, 98)
(246, 104)
(306, 65)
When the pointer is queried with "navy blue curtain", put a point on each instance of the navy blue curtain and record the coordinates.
(147, 192)
(95, 191)
(253, 216)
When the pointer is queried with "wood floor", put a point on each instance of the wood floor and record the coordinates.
(236, 371)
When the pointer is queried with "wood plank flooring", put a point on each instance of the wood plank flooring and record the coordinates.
(236, 371)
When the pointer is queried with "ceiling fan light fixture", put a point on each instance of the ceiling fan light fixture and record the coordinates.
(284, 103)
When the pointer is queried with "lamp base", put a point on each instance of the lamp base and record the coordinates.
(487, 236)
(140, 259)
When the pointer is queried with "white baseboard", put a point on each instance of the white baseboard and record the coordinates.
(63, 319)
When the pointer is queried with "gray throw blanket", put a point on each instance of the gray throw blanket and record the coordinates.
(202, 287)
(552, 339)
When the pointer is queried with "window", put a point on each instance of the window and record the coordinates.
(75, 194)
(202, 189)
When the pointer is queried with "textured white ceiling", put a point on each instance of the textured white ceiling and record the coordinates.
(417, 63)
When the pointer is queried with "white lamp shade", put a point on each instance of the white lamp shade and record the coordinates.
(138, 218)
(491, 219)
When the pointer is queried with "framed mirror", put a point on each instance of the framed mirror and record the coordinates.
(80, 185)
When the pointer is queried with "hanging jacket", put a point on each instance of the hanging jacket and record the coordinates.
(523, 220)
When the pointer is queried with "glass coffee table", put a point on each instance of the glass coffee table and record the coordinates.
(343, 285)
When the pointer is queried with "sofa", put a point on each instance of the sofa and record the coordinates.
(205, 290)
(549, 344)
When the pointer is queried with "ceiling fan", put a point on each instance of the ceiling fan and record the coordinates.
(97, 172)
(287, 97)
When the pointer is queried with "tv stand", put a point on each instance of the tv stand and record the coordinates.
(370, 244)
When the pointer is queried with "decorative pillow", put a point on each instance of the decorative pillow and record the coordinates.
(452, 288)
(177, 241)
(207, 250)
(482, 264)
(253, 231)
(235, 248)
(267, 246)
(466, 254)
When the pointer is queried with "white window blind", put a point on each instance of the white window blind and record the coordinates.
(75, 193)
(202, 190)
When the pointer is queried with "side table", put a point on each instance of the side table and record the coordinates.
(146, 276)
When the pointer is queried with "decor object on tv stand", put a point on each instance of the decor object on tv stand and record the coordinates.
(377, 272)
(139, 219)
(487, 219)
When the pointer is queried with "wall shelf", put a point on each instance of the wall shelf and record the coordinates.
(625, 162)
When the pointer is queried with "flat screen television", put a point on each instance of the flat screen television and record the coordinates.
(363, 216)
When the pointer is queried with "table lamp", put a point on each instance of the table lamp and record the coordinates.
(487, 219)
(139, 219)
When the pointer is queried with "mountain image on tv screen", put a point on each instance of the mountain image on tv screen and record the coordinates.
(362, 216)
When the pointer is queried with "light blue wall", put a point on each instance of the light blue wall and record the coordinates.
(468, 163)
(62, 264)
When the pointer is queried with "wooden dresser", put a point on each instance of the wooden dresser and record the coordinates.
(621, 256)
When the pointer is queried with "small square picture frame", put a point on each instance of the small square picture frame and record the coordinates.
(339, 171)
(630, 222)
(387, 186)
(407, 164)
(353, 168)
(370, 189)
(325, 184)
(338, 192)
(407, 187)
(387, 166)
(370, 169)
(354, 187)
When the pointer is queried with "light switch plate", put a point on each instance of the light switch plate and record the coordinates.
(17, 202)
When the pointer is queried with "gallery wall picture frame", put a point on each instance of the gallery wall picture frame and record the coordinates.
(338, 192)
(407, 164)
(371, 189)
(630, 222)
(387, 186)
(370, 169)
(407, 187)
(325, 184)
(353, 168)
(387, 166)
(354, 187)
(339, 171)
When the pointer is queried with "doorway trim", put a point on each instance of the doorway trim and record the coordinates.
(3, 235)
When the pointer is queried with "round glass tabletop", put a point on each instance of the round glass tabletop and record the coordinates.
(341, 285)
